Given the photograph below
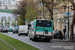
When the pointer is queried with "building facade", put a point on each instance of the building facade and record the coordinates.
(6, 18)
(6, 6)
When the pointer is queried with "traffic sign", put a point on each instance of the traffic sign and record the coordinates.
(68, 13)
(65, 14)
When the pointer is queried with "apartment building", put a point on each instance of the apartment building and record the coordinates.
(2, 4)
(6, 6)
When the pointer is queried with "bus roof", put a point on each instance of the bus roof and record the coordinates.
(37, 19)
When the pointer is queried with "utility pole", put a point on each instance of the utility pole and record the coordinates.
(68, 19)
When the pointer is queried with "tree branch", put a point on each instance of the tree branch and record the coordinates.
(72, 2)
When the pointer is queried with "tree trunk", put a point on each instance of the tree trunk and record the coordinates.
(72, 27)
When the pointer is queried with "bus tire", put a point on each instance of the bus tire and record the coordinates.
(18, 34)
(30, 38)
(26, 34)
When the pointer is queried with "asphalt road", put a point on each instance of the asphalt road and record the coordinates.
(43, 45)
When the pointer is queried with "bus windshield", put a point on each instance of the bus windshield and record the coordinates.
(43, 23)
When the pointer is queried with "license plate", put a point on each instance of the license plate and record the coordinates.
(42, 37)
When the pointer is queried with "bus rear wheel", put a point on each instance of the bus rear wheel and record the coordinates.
(30, 38)
(18, 34)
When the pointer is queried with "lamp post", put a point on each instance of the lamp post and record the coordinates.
(68, 19)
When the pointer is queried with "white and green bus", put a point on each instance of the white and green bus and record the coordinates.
(41, 29)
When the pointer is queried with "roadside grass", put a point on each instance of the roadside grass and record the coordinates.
(18, 45)
(4, 46)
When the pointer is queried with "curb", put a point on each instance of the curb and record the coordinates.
(8, 44)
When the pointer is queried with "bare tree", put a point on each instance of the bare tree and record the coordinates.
(49, 5)
(21, 10)
(73, 21)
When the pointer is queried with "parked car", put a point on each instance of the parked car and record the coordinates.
(57, 34)
(7, 29)
(15, 30)
(4, 30)
(23, 30)
(10, 30)
(1, 27)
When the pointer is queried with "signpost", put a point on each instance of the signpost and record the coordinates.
(68, 19)
(68, 13)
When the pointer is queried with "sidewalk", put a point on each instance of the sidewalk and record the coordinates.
(67, 41)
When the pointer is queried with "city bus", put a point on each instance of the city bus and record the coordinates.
(41, 29)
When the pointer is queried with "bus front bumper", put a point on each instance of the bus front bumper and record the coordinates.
(42, 37)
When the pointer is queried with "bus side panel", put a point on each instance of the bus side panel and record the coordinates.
(38, 30)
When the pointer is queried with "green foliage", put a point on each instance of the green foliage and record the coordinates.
(26, 10)
(20, 21)
(15, 22)
(6, 22)
(3, 46)
(21, 10)
(18, 45)
(1, 23)
(31, 13)
(12, 22)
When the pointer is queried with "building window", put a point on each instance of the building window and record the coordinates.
(4, 18)
(9, 18)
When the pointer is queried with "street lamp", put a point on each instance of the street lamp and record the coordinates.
(68, 19)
